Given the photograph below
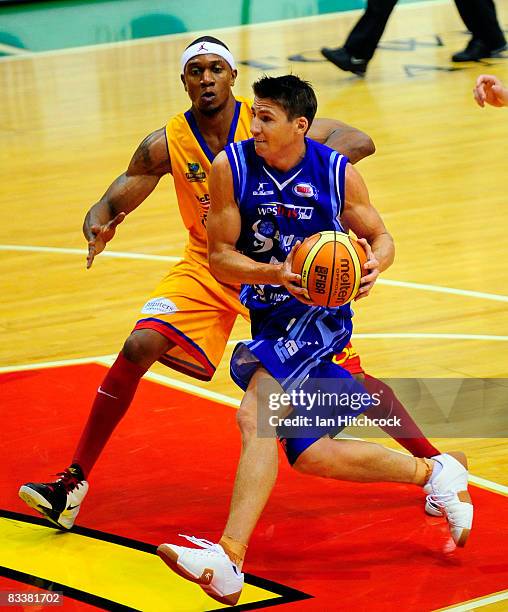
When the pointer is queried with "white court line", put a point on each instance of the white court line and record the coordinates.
(475, 604)
(194, 389)
(106, 360)
(488, 484)
(404, 335)
(411, 335)
(84, 253)
(438, 289)
(382, 281)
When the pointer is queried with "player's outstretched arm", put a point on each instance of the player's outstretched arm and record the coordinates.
(489, 89)
(149, 162)
(344, 138)
(360, 216)
(224, 223)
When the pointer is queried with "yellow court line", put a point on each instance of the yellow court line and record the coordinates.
(116, 572)
(479, 602)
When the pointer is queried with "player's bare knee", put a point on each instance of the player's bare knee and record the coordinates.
(246, 419)
(144, 347)
(313, 460)
(307, 462)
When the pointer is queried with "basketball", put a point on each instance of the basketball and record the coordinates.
(331, 266)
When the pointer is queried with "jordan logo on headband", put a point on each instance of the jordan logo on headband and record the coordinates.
(206, 47)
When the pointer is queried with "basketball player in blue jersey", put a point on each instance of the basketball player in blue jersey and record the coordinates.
(257, 217)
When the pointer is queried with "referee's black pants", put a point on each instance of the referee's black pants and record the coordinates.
(479, 17)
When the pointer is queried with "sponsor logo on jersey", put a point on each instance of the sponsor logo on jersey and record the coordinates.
(288, 211)
(305, 190)
(265, 233)
(204, 205)
(260, 191)
(159, 305)
(195, 173)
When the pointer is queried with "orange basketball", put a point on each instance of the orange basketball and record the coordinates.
(331, 266)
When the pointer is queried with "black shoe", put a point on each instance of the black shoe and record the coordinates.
(343, 60)
(476, 50)
(59, 501)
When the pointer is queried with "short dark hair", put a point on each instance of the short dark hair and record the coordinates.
(295, 95)
(208, 39)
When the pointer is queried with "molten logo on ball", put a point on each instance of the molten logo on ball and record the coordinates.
(343, 285)
(331, 266)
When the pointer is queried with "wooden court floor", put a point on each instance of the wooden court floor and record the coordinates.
(70, 120)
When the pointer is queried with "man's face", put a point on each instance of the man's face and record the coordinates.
(273, 132)
(208, 80)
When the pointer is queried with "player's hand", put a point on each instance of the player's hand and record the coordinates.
(292, 281)
(372, 265)
(101, 235)
(489, 89)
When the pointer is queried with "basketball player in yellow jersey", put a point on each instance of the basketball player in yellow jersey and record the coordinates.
(187, 321)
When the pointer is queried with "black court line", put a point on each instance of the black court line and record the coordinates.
(286, 594)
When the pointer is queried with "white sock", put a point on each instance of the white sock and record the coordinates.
(438, 466)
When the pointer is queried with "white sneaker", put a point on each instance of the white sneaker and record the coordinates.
(450, 495)
(208, 566)
(430, 507)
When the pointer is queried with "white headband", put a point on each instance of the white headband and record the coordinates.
(204, 47)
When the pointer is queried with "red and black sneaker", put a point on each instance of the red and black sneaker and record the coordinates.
(59, 501)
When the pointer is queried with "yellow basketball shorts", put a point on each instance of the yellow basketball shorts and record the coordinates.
(195, 312)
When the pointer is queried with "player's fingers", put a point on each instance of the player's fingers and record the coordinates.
(370, 277)
(486, 79)
(298, 290)
(370, 264)
(116, 221)
(290, 257)
(300, 295)
(479, 96)
(294, 278)
(366, 247)
(90, 256)
(364, 291)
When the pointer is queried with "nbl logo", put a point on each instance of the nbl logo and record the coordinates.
(195, 173)
(305, 190)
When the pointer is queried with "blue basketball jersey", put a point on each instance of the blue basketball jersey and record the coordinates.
(291, 340)
(280, 208)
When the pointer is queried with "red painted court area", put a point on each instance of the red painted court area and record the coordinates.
(169, 469)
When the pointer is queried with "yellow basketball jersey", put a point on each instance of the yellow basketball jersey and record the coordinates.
(191, 161)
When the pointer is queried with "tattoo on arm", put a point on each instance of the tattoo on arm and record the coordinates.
(143, 152)
(152, 156)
